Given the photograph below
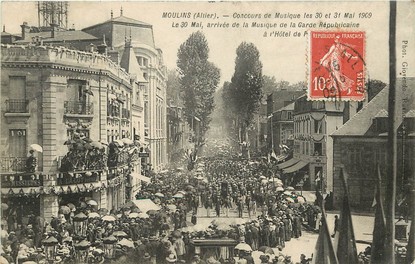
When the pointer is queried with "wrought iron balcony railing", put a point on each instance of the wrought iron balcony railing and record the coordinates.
(12, 164)
(68, 178)
(17, 106)
(79, 108)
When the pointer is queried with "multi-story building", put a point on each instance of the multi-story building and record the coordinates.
(150, 60)
(276, 101)
(360, 146)
(312, 161)
(283, 129)
(71, 103)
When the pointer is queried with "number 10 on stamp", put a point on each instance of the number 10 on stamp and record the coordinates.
(336, 65)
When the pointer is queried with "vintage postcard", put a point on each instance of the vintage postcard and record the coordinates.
(207, 132)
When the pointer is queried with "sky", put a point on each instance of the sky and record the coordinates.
(284, 58)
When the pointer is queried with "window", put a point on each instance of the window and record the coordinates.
(17, 142)
(17, 87)
(290, 115)
(318, 149)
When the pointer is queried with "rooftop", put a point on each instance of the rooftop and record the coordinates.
(360, 124)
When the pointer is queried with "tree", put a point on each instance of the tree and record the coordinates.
(198, 80)
(246, 86)
(173, 87)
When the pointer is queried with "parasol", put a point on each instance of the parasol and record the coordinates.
(172, 207)
(4, 206)
(126, 243)
(36, 147)
(97, 144)
(103, 211)
(289, 199)
(290, 188)
(93, 215)
(262, 177)
(133, 215)
(178, 195)
(287, 193)
(152, 212)
(119, 142)
(182, 192)
(243, 247)
(159, 194)
(92, 202)
(127, 141)
(266, 250)
(280, 189)
(143, 215)
(64, 209)
(120, 233)
(108, 218)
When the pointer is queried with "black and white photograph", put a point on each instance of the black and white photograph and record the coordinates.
(207, 132)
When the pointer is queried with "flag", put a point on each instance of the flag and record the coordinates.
(273, 155)
(346, 247)
(379, 228)
(324, 251)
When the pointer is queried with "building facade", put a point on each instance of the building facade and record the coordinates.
(150, 60)
(312, 162)
(360, 146)
(71, 103)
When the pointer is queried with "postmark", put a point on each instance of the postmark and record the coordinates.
(336, 65)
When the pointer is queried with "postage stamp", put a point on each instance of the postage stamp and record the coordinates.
(336, 65)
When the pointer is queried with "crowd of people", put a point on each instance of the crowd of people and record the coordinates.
(272, 214)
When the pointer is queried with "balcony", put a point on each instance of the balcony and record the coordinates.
(21, 180)
(17, 106)
(12, 164)
(113, 110)
(80, 177)
(78, 108)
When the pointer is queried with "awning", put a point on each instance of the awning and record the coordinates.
(146, 205)
(299, 165)
(287, 163)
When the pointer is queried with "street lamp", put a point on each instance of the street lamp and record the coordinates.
(81, 251)
(50, 245)
(109, 246)
(80, 223)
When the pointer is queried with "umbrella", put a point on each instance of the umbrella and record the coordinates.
(243, 247)
(4, 206)
(120, 233)
(128, 204)
(290, 188)
(262, 177)
(152, 212)
(172, 207)
(93, 215)
(36, 147)
(108, 218)
(92, 202)
(119, 142)
(71, 206)
(289, 199)
(133, 215)
(64, 209)
(159, 194)
(97, 144)
(178, 195)
(103, 211)
(182, 192)
(127, 141)
(103, 142)
(266, 250)
(301, 199)
(143, 215)
(287, 193)
(280, 189)
(126, 243)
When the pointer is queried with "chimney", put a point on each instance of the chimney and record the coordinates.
(54, 28)
(4, 28)
(112, 15)
(102, 48)
(25, 29)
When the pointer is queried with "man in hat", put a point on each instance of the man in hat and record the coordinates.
(171, 258)
(146, 259)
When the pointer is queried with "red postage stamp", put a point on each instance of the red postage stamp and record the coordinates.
(336, 65)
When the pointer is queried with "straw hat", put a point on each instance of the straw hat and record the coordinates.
(171, 258)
